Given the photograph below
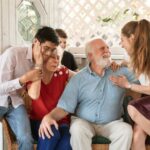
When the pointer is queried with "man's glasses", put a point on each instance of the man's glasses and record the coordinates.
(47, 50)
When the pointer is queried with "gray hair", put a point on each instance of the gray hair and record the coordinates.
(89, 47)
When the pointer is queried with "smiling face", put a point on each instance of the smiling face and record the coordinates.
(52, 63)
(100, 53)
(62, 42)
(127, 43)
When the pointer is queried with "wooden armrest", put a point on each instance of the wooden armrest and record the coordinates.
(8, 135)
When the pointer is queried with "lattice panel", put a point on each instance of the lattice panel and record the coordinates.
(83, 19)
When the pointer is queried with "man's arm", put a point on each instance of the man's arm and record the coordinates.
(51, 119)
(7, 68)
(67, 104)
(10, 85)
(7, 82)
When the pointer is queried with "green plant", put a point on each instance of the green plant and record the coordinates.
(118, 16)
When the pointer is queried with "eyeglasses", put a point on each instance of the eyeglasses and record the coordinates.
(48, 50)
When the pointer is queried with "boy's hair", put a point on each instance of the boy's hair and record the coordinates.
(61, 33)
(47, 34)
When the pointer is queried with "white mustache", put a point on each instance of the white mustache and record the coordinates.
(104, 62)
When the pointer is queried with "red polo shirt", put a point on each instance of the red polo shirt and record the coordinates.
(49, 95)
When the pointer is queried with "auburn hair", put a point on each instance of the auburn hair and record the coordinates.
(61, 33)
(140, 56)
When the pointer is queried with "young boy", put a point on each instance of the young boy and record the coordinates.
(67, 59)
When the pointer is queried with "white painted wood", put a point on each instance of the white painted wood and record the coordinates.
(42, 11)
(56, 13)
(9, 34)
(18, 2)
(0, 27)
(12, 21)
(53, 13)
(47, 8)
(19, 39)
(5, 24)
(43, 2)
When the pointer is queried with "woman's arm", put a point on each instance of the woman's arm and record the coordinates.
(34, 89)
(140, 88)
(124, 83)
(35, 86)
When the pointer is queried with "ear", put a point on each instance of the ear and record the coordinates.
(132, 36)
(35, 41)
(90, 56)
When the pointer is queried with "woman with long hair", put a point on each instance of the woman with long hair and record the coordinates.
(135, 38)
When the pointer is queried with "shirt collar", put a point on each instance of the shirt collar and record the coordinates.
(92, 72)
(89, 69)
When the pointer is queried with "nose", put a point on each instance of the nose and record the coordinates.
(56, 60)
(108, 51)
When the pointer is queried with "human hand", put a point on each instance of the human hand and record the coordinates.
(22, 92)
(114, 66)
(45, 127)
(124, 63)
(32, 75)
(120, 81)
(37, 55)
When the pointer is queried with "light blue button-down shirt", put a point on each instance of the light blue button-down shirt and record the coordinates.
(95, 98)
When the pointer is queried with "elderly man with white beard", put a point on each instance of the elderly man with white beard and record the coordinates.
(95, 102)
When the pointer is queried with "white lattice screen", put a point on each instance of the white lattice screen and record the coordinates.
(80, 18)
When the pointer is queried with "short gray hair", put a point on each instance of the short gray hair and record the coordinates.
(88, 47)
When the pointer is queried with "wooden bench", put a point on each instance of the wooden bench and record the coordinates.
(99, 142)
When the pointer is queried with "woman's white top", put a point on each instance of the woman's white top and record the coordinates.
(143, 80)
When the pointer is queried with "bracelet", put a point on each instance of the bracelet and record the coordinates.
(38, 66)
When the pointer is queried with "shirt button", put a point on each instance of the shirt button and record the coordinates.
(98, 102)
(96, 115)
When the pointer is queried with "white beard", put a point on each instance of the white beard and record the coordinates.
(103, 62)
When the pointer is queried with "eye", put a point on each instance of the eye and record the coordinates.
(57, 57)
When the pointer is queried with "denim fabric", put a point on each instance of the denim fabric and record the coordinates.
(60, 140)
(20, 125)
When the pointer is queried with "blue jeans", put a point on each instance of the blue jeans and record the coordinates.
(20, 125)
(60, 140)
